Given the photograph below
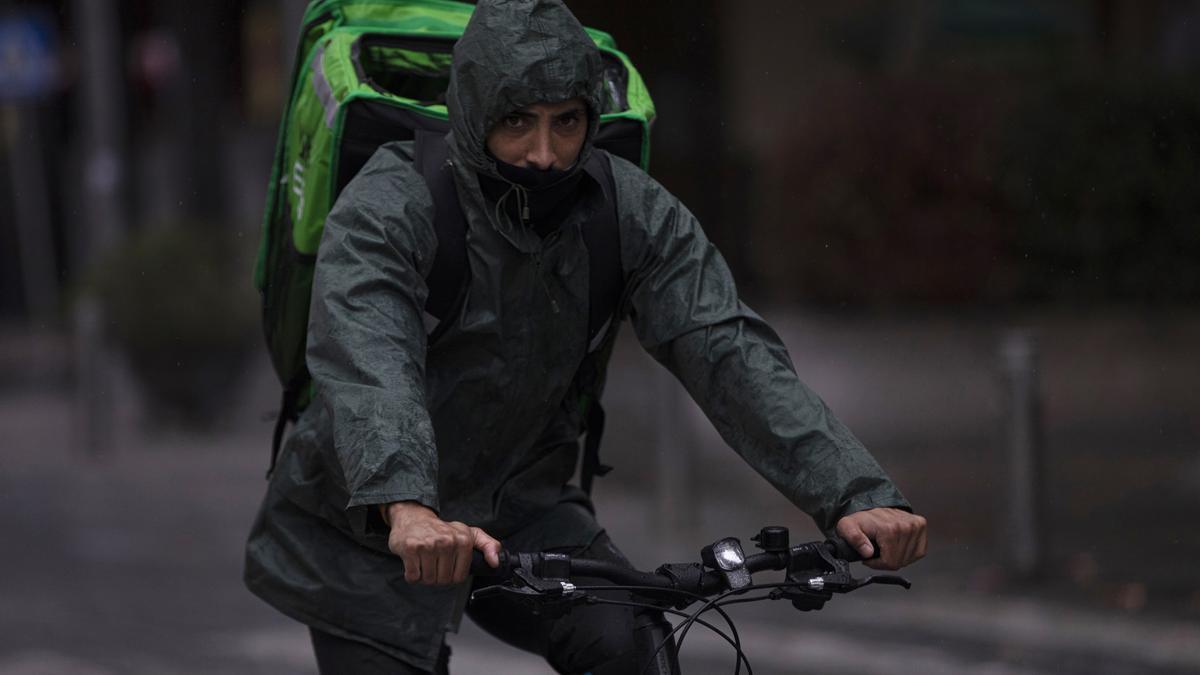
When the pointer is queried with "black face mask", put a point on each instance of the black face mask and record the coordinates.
(530, 179)
(549, 194)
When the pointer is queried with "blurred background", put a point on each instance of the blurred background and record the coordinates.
(975, 223)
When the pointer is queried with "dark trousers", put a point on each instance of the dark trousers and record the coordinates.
(597, 639)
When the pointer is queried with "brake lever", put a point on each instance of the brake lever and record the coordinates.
(538, 583)
(842, 582)
(551, 603)
(488, 592)
(885, 579)
(549, 587)
(814, 586)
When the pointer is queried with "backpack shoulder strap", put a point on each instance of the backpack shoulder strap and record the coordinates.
(449, 271)
(602, 237)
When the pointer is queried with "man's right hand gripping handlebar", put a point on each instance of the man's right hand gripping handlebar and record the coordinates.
(434, 552)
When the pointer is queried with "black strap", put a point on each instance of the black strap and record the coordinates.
(606, 284)
(447, 278)
(591, 446)
(606, 280)
(287, 413)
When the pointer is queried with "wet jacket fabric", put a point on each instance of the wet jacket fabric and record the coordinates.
(479, 419)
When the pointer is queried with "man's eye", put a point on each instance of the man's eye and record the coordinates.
(568, 122)
(514, 121)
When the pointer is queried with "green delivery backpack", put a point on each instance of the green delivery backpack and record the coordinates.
(369, 72)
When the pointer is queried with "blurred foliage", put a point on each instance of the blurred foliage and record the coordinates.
(934, 190)
(174, 300)
(888, 196)
(1101, 179)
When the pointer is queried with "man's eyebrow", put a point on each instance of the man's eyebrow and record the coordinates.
(577, 110)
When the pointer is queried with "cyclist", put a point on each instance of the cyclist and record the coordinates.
(413, 455)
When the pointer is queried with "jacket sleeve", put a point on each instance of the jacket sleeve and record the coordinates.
(685, 310)
(367, 340)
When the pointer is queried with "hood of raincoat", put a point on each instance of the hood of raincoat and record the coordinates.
(515, 53)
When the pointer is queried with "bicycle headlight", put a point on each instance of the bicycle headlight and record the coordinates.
(728, 554)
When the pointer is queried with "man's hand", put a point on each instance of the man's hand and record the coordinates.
(435, 553)
(900, 534)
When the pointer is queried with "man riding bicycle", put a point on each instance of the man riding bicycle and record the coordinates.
(418, 450)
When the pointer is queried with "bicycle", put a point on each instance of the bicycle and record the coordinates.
(542, 582)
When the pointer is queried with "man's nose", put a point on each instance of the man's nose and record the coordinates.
(540, 154)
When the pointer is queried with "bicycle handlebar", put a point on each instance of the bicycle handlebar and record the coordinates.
(822, 565)
(550, 584)
(630, 577)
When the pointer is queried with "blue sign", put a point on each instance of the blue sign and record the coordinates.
(28, 57)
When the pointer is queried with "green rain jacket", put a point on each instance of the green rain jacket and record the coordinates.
(482, 424)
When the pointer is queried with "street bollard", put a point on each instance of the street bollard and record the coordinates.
(1024, 550)
(102, 220)
(95, 408)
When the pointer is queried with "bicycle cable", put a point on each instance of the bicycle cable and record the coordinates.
(692, 618)
(694, 596)
(716, 601)
(734, 642)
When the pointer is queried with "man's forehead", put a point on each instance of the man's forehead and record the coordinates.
(552, 108)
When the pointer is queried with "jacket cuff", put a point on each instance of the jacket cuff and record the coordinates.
(865, 503)
(363, 509)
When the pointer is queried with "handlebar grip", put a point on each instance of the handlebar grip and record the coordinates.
(842, 549)
(480, 568)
